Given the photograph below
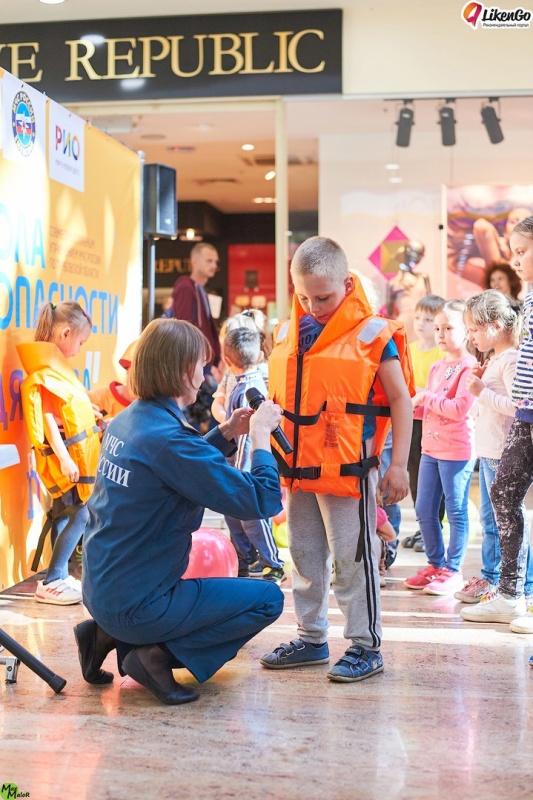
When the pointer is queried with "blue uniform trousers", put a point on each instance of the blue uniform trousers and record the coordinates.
(202, 622)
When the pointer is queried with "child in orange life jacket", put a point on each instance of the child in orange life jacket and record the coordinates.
(112, 399)
(57, 409)
(334, 368)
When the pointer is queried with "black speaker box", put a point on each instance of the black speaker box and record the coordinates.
(160, 206)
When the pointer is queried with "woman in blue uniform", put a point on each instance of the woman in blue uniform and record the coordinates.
(155, 476)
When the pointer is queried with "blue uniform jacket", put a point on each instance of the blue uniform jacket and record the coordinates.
(155, 476)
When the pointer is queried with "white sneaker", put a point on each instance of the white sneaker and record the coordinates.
(523, 624)
(495, 607)
(58, 593)
(73, 582)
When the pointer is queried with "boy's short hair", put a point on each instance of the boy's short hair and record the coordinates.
(320, 257)
(430, 304)
(166, 352)
(243, 347)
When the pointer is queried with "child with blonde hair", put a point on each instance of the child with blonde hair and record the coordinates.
(62, 429)
(493, 326)
(447, 460)
(515, 470)
(254, 320)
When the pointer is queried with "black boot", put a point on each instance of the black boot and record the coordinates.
(151, 667)
(94, 644)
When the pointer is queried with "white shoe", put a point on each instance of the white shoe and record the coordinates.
(522, 624)
(73, 582)
(58, 593)
(495, 607)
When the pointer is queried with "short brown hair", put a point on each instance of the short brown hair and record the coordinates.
(200, 246)
(430, 304)
(322, 257)
(167, 350)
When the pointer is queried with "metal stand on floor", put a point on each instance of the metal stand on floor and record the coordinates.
(9, 456)
(19, 654)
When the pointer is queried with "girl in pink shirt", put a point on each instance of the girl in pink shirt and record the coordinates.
(447, 464)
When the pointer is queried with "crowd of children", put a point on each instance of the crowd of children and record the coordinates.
(462, 391)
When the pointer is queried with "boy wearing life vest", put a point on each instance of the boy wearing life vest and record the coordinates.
(341, 375)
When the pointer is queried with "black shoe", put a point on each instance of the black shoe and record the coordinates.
(178, 694)
(274, 575)
(94, 644)
(409, 541)
(243, 573)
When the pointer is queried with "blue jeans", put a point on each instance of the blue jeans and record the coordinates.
(490, 544)
(452, 478)
(71, 517)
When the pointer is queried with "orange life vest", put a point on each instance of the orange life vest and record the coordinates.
(324, 394)
(47, 367)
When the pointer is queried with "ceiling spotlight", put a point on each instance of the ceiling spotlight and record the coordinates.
(392, 165)
(404, 122)
(270, 175)
(247, 147)
(447, 124)
(492, 122)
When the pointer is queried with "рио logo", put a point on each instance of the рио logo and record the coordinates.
(67, 144)
(494, 17)
(10, 791)
(23, 123)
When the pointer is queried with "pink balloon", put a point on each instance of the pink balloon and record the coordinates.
(212, 556)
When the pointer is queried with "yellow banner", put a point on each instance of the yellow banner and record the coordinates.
(58, 243)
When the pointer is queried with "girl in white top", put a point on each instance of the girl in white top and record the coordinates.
(255, 320)
(492, 325)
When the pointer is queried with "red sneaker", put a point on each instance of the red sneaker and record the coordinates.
(422, 578)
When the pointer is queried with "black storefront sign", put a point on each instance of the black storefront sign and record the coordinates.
(221, 55)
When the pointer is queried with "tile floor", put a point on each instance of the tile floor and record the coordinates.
(450, 717)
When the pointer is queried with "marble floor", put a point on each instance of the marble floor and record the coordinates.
(450, 717)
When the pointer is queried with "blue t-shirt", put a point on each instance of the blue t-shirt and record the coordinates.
(310, 330)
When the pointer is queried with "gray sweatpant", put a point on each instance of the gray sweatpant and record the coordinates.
(324, 530)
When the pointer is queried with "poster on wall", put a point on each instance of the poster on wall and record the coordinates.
(66, 146)
(479, 222)
(70, 233)
(23, 123)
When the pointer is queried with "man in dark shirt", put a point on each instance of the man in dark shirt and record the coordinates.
(190, 300)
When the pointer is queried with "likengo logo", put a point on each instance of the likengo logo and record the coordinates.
(494, 17)
(23, 123)
(10, 791)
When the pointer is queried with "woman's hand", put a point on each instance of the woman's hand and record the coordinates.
(237, 425)
(265, 420)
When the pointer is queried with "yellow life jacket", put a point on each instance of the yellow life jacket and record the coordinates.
(47, 367)
(324, 395)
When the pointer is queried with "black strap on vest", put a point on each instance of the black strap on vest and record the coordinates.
(351, 408)
(78, 437)
(360, 469)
